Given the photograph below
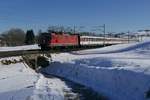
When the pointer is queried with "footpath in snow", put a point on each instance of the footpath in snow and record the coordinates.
(120, 72)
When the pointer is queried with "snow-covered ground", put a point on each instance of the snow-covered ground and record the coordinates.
(19, 82)
(120, 72)
(26, 47)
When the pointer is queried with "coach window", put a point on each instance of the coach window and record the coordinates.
(100, 39)
(86, 39)
(82, 39)
(93, 39)
(90, 39)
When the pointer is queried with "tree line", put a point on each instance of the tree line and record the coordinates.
(17, 37)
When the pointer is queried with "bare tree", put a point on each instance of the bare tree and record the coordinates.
(13, 37)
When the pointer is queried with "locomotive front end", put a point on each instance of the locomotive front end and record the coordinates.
(44, 41)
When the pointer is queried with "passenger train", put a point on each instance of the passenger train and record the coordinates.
(55, 40)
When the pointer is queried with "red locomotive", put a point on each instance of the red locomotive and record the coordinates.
(53, 40)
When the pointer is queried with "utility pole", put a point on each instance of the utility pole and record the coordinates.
(103, 30)
(104, 26)
(128, 36)
(74, 29)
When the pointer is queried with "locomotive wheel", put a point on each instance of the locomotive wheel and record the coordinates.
(43, 48)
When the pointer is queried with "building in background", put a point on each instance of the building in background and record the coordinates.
(143, 35)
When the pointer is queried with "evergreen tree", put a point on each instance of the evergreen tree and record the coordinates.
(30, 37)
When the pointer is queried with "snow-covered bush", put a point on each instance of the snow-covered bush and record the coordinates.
(148, 94)
(42, 61)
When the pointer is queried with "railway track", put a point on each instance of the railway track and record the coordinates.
(17, 53)
(39, 51)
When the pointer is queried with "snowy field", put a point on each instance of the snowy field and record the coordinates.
(120, 72)
(19, 82)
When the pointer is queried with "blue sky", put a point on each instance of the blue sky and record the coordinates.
(118, 15)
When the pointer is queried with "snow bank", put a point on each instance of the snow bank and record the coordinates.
(16, 81)
(119, 76)
(19, 82)
(118, 84)
(17, 48)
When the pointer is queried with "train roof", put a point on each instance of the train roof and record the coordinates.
(100, 37)
(47, 33)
